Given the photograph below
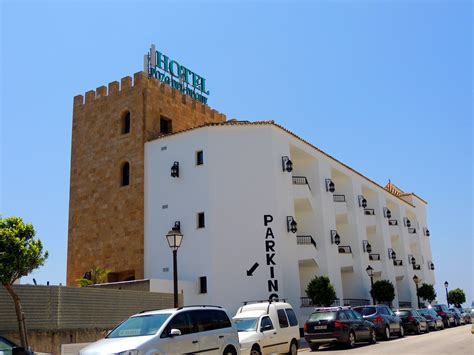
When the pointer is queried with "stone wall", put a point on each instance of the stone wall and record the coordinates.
(106, 220)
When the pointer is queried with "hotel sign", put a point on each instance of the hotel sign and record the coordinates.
(170, 72)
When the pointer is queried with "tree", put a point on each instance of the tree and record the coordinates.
(96, 275)
(456, 297)
(20, 254)
(383, 291)
(321, 291)
(427, 292)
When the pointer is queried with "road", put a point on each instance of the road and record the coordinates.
(452, 341)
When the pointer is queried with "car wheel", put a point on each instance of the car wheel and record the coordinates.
(418, 329)
(255, 350)
(401, 333)
(352, 340)
(386, 333)
(373, 337)
(230, 350)
(427, 328)
(293, 348)
(314, 347)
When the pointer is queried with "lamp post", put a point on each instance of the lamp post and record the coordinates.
(446, 287)
(174, 238)
(417, 281)
(370, 272)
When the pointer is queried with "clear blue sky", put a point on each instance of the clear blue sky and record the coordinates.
(384, 86)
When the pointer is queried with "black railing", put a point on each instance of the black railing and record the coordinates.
(392, 222)
(412, 230)
(306, 302)
(404, 304)
(305, 240)
(374, 256)
(398, 262)
(354, 302)
(416, 267)
(344, 249)
(339, 198)
(301, 180)
(369, 211)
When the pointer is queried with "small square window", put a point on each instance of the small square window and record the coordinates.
(199, 158)
(200, 220)
(203, 284)
(165, 125)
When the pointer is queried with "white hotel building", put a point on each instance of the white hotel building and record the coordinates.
(234, 198)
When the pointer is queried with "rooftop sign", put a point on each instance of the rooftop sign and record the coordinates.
(170, 72)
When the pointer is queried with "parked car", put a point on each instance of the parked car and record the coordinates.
(435, 321)
(7, 347)
(386, 322)
(466, 313)
(340, 325)
(267, 327)
(445, 313)
(183, 330)
(413, 321)
(459, 319)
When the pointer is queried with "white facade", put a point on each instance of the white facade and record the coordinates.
(246, 198)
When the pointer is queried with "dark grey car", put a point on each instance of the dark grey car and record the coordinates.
(386, 322)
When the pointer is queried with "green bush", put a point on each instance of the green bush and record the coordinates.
(321, 292)
(383, 291)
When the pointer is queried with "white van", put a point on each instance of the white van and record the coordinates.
(267, 327)
(185, 330)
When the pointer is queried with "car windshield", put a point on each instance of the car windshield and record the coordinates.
(438, 307)
(365, 311)
(403, 313)
(246, 324)
(139, 326)
(424, 312)
(322, 316)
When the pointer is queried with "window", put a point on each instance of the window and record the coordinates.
(291, 317)
(126, 122)
(125, 174)
(266, 324)
(282, 318)
(221, 320)
(200, 220)
(165, 125)
(204, 320)
(181, 321)
(203, 284)
(384, 310)
(199, 158)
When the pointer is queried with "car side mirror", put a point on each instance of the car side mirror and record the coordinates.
(265, 327)
(175, 332)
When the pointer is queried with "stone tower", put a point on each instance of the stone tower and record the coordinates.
(106, 207)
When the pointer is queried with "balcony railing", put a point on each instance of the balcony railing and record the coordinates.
(305, 240)
(354, 302)
(306, 302)
(412, 230)
(301, 180)
(369, 211)
(374, 256)
(339, 198)
(416, 267)
(398, 262)
(392, 222)
(344, 249)
(404, 304)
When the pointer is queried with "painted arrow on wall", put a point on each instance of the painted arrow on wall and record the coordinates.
(252, 269)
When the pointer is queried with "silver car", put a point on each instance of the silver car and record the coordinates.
(184, 330)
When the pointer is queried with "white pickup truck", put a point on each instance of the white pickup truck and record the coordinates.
(267, 327)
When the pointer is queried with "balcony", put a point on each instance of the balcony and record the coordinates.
(375, 257)
(412, 230)
(300, 180)
(398, 262)
(344, 249)
(392, 222)
(370, 216)
(355, 302)
(369, 211)
(301, 189)
(341, 205)
(416, 267)
(306, 302)
(305, 240)
(339, 198)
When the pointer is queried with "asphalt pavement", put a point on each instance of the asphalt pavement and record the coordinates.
(452, 341)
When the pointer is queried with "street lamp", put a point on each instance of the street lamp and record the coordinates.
(370, 272)
(446, 287)
(174, 238)
(417, 281)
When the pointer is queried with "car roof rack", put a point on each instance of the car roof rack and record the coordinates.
(198, 305)
(269, 300)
